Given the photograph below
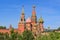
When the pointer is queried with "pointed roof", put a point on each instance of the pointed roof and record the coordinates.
(33, 11)
(23, 10)
(41, 20)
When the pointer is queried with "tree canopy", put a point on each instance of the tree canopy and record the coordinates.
(2, 27)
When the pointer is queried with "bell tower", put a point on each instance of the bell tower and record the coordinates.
(21, 25)
(22, 15)
(34, 21)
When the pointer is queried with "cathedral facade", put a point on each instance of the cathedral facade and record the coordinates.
(30, 23)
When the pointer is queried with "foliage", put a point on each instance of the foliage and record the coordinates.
(27, 35)
(2, 27)
(58, 28)
(51, 36)
(20, 37)
(13, 35)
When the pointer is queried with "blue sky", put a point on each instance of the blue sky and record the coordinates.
(10, 11)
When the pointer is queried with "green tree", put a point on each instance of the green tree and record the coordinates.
(58, 28)
(6, 36)
(1, 36)
(20, 37)
(13, 35)
(2, 27)
(27, 35)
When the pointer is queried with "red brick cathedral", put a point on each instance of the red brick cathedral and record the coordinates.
(30, 23)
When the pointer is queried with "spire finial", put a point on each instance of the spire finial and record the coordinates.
(33, 12)
(22, 9)
(33, 6)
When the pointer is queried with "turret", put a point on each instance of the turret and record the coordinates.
(21, 25)
(41, 24)
(22, 15)
(10, 27)
(34, 19)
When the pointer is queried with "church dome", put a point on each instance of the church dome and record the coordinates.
(41, 20)
(28, 20)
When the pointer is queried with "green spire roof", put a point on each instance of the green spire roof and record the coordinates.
(41, 20)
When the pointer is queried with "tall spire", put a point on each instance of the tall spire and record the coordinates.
(34, 18)
(22, 20)
(21, 25)
(23, 10)
(33, 11)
